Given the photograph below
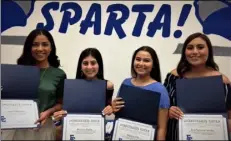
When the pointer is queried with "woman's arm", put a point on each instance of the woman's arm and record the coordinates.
(109, 92)
(49, 112)
(162, 124)
(229, 120)
(228, 105)
(228, 99)
(163, 115)
(110, 89)
(56, 107)
(59, 100)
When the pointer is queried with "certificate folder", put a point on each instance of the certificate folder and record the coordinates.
(84, 96)
(19, 82)
(84, 99)
(201, 95)
(140, 105)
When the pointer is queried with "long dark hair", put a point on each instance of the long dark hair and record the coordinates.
(184, 66)
(155, 72)
(27, 59)
(94, 53)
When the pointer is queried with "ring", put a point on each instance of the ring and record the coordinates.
(52, 117)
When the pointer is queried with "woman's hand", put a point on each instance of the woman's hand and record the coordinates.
(175, 112)
(43, 117)
(117, 104)
(107, 110)
(57, 116)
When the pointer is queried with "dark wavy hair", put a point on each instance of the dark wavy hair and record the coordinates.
(94, 53)
(27, 59)
(155, 72)
(184, 66)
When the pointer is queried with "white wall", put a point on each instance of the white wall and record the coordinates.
(116, 52)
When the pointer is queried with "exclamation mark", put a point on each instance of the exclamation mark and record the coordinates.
(183, 17)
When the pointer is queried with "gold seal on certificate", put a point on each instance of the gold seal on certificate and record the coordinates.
(203, 127)
(83, 127)
(131, 130)
(18, 114)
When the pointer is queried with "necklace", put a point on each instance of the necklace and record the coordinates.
(43, 74)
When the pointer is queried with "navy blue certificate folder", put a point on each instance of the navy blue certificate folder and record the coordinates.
(140, 105)
(84, 96)
(201, 95)
(19, 82)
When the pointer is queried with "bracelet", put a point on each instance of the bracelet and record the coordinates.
(58, 123)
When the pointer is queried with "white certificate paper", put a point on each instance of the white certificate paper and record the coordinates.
(18, 114)
(83, 127)
(203, 127)
(131, 130)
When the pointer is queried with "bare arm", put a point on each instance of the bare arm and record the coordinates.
(108, 110)
(227, 81)
(56, 107)
(49, 112)
(229, 120)
(162, 124)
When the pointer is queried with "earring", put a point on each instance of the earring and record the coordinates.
(98, 74)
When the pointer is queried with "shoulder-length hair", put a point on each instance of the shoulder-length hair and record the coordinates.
(184, 66)
(155, 72)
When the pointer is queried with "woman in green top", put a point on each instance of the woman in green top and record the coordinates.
(39, 50)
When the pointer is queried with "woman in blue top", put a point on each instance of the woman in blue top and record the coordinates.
(145, 70)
